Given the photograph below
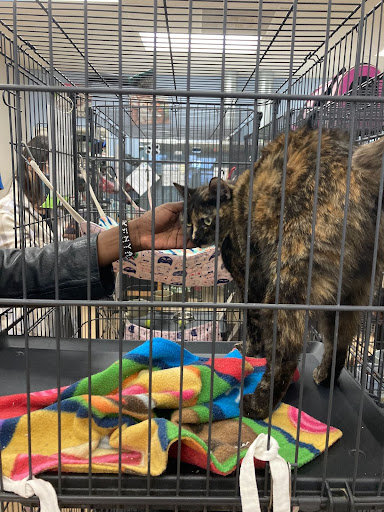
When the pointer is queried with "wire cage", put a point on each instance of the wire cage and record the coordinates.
(32, 226)
(132, 97)
(139, 195)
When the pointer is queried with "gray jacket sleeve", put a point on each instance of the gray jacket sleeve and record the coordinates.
(40, 265)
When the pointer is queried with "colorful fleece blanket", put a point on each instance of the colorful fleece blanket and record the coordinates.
(102, 406)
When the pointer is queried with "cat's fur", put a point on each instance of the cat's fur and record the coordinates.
(295, 246)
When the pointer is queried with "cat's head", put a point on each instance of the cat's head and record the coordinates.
(202, 208)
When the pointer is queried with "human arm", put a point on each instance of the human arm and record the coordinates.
(76, 263)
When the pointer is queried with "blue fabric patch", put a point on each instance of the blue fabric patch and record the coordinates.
(7, 429)
(81, 411)
(162, 433)
(217, 412)
(165, 354)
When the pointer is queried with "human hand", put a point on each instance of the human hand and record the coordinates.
(168, 233)
(168, 229)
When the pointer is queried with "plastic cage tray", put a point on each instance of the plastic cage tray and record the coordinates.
(193, 481)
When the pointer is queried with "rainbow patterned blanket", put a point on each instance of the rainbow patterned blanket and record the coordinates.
(101, 406)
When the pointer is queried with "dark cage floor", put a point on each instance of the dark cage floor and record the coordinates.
(193, 488)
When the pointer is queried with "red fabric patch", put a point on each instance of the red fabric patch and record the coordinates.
(13, 406)
(197, 458)
(42, 463)
(230, 366)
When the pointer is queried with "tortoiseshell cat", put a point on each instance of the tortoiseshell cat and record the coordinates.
(295, 245)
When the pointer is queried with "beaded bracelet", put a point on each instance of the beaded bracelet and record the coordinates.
(126, 241)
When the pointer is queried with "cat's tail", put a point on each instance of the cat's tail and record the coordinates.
(369, 156)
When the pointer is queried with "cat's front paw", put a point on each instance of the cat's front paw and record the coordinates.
(248, 349)
(256, 406)
(320, 376)
(239, 346)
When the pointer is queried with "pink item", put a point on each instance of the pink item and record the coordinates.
(200, 265)
(43, 463)
(203, 332)
(106, 185)
(307, 423)
(342, 83)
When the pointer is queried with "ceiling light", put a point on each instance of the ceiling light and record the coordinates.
(199, 43)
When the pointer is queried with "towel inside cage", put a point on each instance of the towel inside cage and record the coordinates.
(164, 358)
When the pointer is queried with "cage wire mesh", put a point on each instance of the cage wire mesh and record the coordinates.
(132, 97)
(37, 223)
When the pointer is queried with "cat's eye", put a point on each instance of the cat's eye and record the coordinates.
(207, 221)
(189, 224)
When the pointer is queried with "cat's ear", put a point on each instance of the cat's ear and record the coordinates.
(225, 189)
(181, 190)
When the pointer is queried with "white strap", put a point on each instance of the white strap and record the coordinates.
(132, 202)
(77, 217)
(280, 472)
(93, 195)
(35, 487)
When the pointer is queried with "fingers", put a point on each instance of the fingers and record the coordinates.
(173, 207)
(189, 244)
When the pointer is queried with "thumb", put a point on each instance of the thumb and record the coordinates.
(175, 207)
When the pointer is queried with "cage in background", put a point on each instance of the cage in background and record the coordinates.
(37, 223)
(95, 127)
(133, 186)
(135, 113)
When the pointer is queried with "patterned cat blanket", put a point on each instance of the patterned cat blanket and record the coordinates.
(194, 415)
(169, 264)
